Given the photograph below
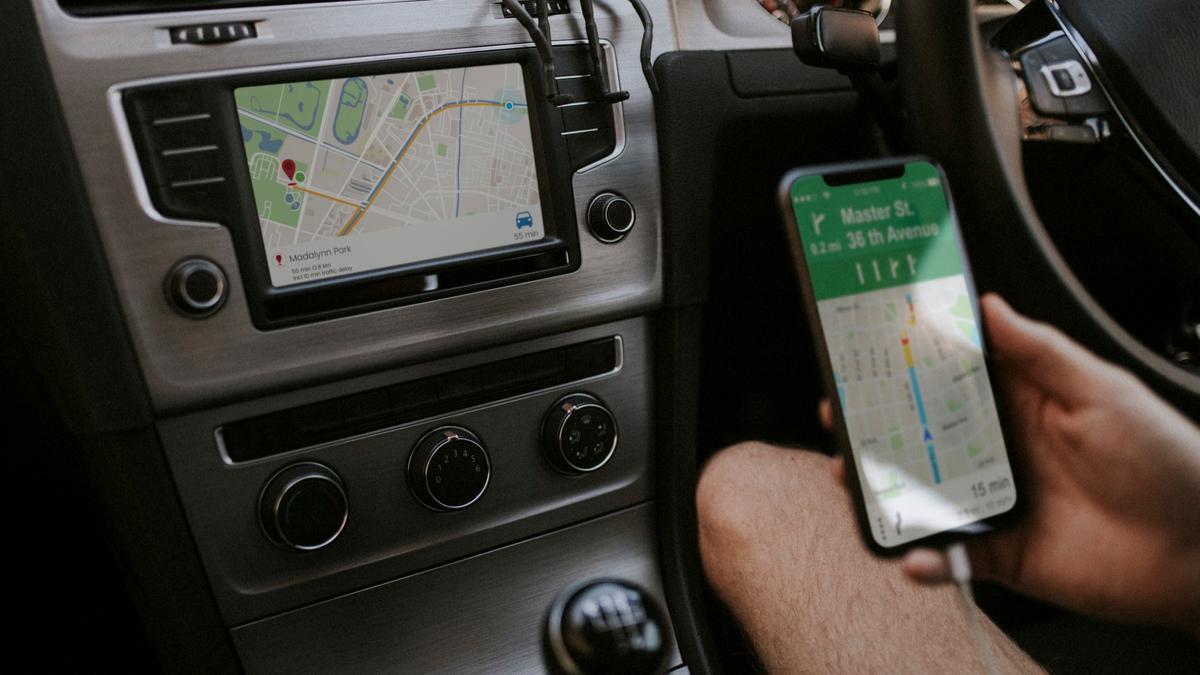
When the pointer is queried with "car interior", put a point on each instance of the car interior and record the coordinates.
(393, 335)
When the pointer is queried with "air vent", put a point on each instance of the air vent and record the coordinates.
(184, 157)
(111, 7)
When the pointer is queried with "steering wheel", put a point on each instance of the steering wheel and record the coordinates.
(963, 104)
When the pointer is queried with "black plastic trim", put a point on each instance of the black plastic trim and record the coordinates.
(342, 417)
(677, 397)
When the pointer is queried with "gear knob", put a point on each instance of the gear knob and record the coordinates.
(606, 626)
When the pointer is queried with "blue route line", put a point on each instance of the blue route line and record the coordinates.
(933, 464)
(912, 376)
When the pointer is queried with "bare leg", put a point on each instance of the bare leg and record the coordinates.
(782, 550)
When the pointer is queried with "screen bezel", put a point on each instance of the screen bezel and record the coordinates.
(865, 172)
(556, 253)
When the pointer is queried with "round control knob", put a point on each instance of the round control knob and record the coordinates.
(606, 626)
(579, 434)
(449, 469)
(196, 287)
(610, 217)
(303, 507)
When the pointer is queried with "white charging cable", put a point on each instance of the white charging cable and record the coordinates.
(960, 571)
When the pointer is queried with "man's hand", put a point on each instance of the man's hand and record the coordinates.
(1110, 484)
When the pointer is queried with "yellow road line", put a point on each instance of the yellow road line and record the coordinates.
(350, 224)
(326, 196)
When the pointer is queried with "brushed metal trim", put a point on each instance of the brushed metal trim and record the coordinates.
(391, 533)
(483, 614)
(188, 365)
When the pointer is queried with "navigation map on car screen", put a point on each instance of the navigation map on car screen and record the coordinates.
(904, 341)
(360, 173)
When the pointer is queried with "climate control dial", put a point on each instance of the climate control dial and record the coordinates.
(579, 434)
(449, 469)
(303, 507)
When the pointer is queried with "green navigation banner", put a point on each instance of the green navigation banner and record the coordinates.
(879, 234)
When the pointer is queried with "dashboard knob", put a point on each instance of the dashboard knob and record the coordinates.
(606, 626)
(610, 217)
(449, 469)
(303, 507)
(196, 287)
(579, 434)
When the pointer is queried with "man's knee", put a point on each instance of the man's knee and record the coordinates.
(746, 482)
(749, 493)
(723, 494)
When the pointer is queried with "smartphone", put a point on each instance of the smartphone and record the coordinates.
(896, 322)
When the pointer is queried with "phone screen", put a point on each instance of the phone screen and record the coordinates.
(900, 325)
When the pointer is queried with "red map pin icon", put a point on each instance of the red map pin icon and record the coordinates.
(289, 167)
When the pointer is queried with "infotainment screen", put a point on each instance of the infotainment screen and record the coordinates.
(361, 173)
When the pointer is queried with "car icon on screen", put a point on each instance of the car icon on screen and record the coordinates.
(524, 219)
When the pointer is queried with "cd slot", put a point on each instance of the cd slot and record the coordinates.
(339, 418)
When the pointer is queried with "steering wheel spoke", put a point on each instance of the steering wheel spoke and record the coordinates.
(986, 107)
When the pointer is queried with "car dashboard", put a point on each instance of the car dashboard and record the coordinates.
(411, 451)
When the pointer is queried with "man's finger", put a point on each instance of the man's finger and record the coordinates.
(825, 414)
(993, 557)
(996, 556)
(839, 470)
(926, 566)
(1043, 355)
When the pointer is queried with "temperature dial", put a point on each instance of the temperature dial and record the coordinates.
(303, 507)
(579, 434)
(449, 469)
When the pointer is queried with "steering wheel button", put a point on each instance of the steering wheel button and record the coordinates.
(1067, 78)
(1063, 79)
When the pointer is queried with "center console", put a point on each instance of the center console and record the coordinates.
(391, 301)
